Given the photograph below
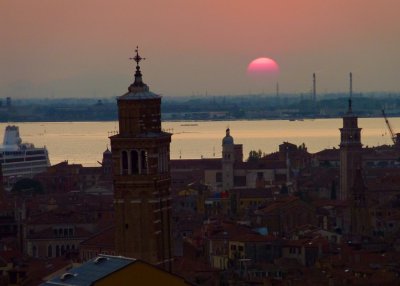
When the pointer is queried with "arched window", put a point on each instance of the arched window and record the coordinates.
(135, 162)
(57, 250)
(34, 251)
(50, 251)
(143, 161)
(124, 161)
(62, 249)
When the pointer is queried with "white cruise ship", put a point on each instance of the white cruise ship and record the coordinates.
(20, 160)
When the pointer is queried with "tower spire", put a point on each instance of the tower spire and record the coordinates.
(138, 74)
(351, 93)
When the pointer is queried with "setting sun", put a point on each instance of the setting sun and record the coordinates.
(263, 67)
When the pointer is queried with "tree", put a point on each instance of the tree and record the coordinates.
(254, 156)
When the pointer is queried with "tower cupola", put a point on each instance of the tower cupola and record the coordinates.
(228, 139)
(139, 110)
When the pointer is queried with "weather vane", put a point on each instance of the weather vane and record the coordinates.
(137, 58)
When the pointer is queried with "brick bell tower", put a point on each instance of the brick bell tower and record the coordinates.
(350, 150)
(141, 177)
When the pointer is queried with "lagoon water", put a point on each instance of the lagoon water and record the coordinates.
(84, 142)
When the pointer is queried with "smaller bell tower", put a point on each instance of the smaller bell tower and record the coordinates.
(350, 149)
(228, 160)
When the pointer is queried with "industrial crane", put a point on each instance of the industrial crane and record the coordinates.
(395, 137)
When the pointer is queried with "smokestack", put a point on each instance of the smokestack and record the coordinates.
(351, 93)
(314, 89)
(277, 89)
(351, 85)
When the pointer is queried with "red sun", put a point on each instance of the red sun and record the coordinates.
(263, 67)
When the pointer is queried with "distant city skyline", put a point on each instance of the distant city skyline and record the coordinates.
(81, 49)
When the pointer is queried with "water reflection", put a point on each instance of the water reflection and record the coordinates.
(84, 142)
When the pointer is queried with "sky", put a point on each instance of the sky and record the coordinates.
(80, 48)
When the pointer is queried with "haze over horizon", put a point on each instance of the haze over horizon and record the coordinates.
(61, 48)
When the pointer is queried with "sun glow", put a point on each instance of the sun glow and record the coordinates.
(263, 67)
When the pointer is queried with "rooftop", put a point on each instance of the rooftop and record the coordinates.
(91, 271)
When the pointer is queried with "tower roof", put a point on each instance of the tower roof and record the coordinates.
(138, 90)
(228, 139)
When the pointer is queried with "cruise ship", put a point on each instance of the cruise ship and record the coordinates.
(20, 160)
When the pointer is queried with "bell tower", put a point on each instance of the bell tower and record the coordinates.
(141, 176)
(228, 160)
(350, 149)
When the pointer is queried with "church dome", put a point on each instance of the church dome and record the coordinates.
(228, 139)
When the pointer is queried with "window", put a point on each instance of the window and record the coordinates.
(50, 251)
(34, 251)
(218, 177)
(134, 162)
(239, 181)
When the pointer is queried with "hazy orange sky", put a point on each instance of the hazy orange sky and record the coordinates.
(80, 48)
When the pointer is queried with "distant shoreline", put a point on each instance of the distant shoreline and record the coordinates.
(205, 109)
(196, 120)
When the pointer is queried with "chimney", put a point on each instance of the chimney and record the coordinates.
(351, 85)
(314, 89)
